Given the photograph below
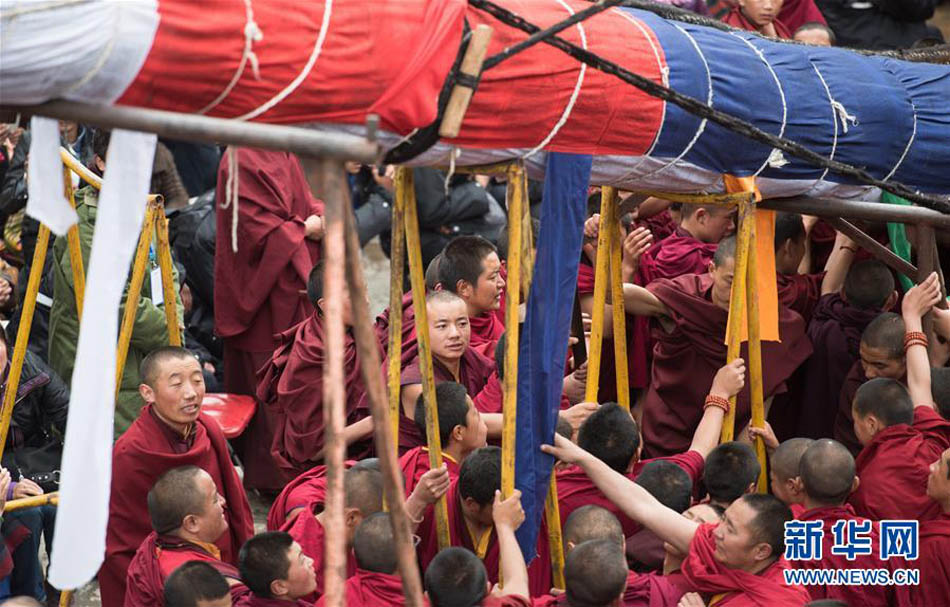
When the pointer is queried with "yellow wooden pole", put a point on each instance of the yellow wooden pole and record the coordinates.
(75, 252)
(164, 254)
(516, 191)
(397, 254)
(616, 297)
(608, 228)
(737, 302)
(417, 281)
(555, 542)
(755, 350)
(31, 502)
(23, 334)
(135, 290)
(65, 598)
(527, 240)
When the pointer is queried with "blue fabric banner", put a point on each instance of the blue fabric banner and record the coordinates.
(543, 345)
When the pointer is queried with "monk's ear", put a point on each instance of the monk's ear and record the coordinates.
(890, 303)
(762, 551)
(353, 517)
(855, 483)
(457, 433)
(147, 394)
(278, 588)
(464, 289)
(753, 487)
(320, 304)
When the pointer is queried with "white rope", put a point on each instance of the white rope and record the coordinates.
(403, 140)
(781, 93)
(453, 154)
(252, 34)
(574, 95)
(842, 113)
(834, 121)
(231, 193)
(910, 142)
(290, 88)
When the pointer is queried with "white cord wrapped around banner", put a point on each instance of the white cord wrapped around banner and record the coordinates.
(87, 453)
(46, 202)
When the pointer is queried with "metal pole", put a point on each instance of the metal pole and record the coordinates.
(604, 236)
(195, 127)
(169, 296)
(616, 296)
(417, 281)
(384, 438)
(135, 291)
(397, 261)
(516, 191)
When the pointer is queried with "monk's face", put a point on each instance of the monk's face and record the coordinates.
(178, 391)
(814, 36)
(784, 488)
(789, 255)
(210, 524)
(475, 433)
(714, 223)
(761, 12)
(701, 513)
(449, 329)
(485, 295)
(301, 579)
(722, 282)
(877, 362)
(938, 483)
(737, 547)
(347, 308)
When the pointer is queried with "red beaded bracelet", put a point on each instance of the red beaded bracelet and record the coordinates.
(716, 401)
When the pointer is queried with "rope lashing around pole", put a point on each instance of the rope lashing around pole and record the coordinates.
(702, 110)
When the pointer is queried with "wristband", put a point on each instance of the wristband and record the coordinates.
(914, 338)
(716, 401)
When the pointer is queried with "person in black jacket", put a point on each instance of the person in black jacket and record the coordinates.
(880, 24)
(32, 454)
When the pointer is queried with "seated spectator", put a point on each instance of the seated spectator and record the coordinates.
(197, 584)
(759, 16)
(880, 25)
(814, 33)
(276, 570)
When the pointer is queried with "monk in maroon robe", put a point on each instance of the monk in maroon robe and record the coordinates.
(260, 277)
(291, 384)
(169, 432)
(828, 476)
(307, 490)
(279, 572)
(742, 557)
(409, 345)
(880, 354)
(452, 360)
(934, 548)
(692, 311)
(470, 268)
(176, 539)
(751, 17)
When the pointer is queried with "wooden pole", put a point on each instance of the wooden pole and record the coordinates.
(616, 297)
(23, 334)
(164, 254)
(368, 350)
(32, 502)
(515, 196)
(755, 349)
(461, 95)
(397, 260)
(605, 234)
(417, 282)
(135, 291)
(926, 257)
(75, 252)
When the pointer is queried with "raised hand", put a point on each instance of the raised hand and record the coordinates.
(921, 298)
(729, 380)
(508, 513)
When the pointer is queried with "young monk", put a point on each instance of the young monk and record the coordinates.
(169, 432)
(291, 385)
(759, 16)
(595, 573)
(881, 354)
(901, 431)
(307, 491)
(835, 333)
(461, 431)
(934, 553)
(673, 558)
(690, 249)
(277, 571)
(828, 478)
(187, 515)
(692, 311)
(409, 346)
(672, 487)
(259, 285)
(732, 470)
(456, 576)
(593, 523)
(376, 582)
(742, 557)
(452, 360)
(470, 501)
(196, 584)
(470, 268)
(784, 478)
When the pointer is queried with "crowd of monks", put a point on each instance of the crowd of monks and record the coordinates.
(656, 512)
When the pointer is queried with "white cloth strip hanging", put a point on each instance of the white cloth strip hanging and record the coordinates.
(46, 202)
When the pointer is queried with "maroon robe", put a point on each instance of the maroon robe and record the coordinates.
(934, 564)
(259, 290)
(371, 589)
(309, 533)
(686, 360)
(736, 19)
(409, 345)
(643, 590)
(158, 557)
(539, 571)
(415, 462)
(844, 421)
(252, 600)
(508, 600)
(660, 225)
(865, 596)
(894, 467)
(307, 490)
(796, 13)
(835, 333)
(800, 292)
(575, 489)
(678, 254)
(742, 589)
(492, 398)
(139, 457)
(487, 328)
(474, 371)
(291, 385)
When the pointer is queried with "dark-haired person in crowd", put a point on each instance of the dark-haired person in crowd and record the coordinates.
(187, 515)
(934, 553)
(169, 432)
(740, 558)
(814, 33)
(197, 584)
(260, 280)
(732, 470)
(150, 329)
(880, 25)
(900, 429)
(276, 570)
(760, 16)
(307, 491)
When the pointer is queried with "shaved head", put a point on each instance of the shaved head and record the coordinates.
(441, 297)
(827, 471)
(432, 273)
(373, 544)
(595, 574)
(725, 251)
(786, 458)
(868, 285)
(886, 399)
(151, 367)
(592, 523)
(886, 332)
(174, 496)
(363, 487)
